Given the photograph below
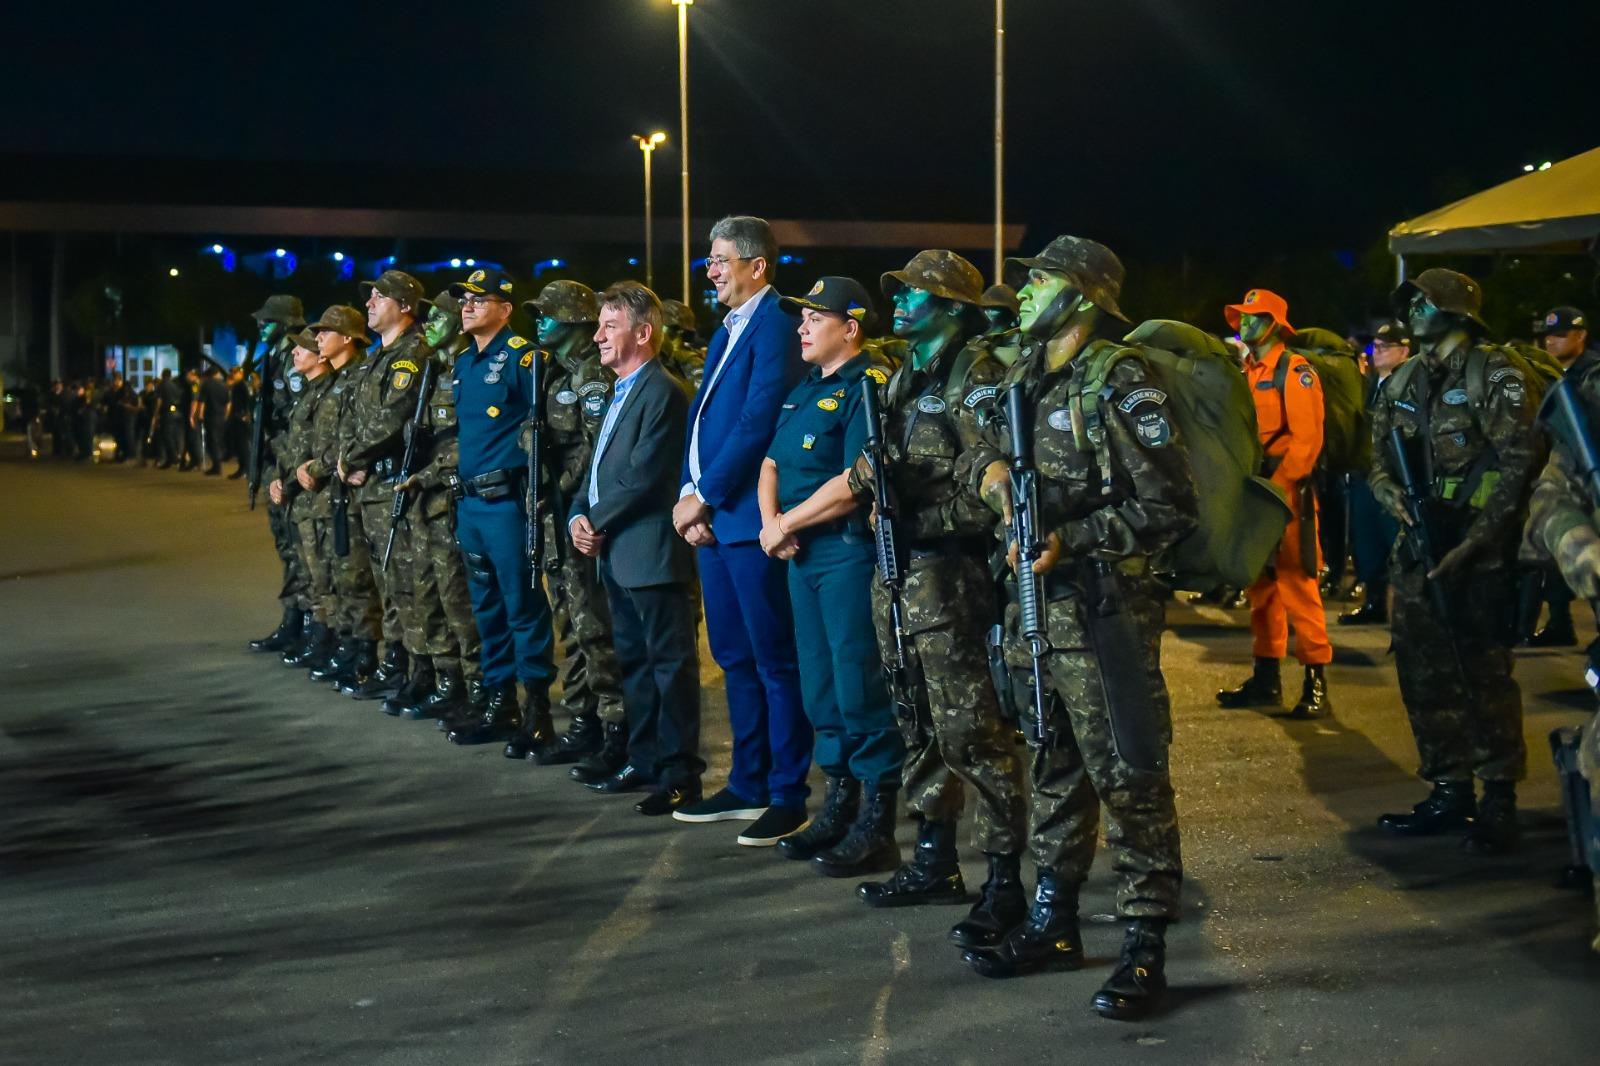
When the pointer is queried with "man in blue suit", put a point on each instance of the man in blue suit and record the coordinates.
(752, 365)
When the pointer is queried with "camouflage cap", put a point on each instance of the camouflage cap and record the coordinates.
(1094, 269)
(344, 319)
(447, 303)
(565, 301)
(1001, 295)
(398, 286)
(1449, 290)
(939, 271)
(307, 339)
(678, 314)
(283, 309)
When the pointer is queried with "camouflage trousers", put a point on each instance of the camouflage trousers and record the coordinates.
(441, 625)
(1464, 706)
(296, 591)
(959, 739)
(588, 674)
(315, 555)
(1079, 776)
(359, 612)
(394, 584)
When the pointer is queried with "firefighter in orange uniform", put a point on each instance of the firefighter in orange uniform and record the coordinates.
(1289, 411)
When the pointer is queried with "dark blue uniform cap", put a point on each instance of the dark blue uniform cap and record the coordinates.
(486, 283)
(1560, 320)
(837, 296)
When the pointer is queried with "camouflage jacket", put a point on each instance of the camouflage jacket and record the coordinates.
(1560, 504)
(287, 385)
(1488, 455)
(1114, 480)
(933, 421)
(297, 439)
(576, 392)
(385, 399)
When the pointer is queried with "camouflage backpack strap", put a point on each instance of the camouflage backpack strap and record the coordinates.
(1477, 379)
(1088, 404)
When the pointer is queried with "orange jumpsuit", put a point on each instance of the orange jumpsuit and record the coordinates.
(1291, 433)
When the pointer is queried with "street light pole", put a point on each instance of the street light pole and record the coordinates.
(683, 130)
(999, 139)
(647, 146)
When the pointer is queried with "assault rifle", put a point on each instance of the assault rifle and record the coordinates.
(408, 462)
(535, 534)
(1024, 533)
(891, 562)
(261, 362)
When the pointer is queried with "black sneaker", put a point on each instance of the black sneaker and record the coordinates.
(773, 825)
(725, 806)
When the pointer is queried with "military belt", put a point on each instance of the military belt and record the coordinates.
(495, 485)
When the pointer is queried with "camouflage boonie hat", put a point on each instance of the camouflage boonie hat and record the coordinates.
(1449, 290)
(565, 301)
(398, 286)
(1001, 295)
(341, 318)
(447, 303)
(283, 309)
(306, 339)
(1093, 268)
(678, 314)
(939, 271)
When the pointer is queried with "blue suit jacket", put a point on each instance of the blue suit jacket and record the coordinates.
(738, 418)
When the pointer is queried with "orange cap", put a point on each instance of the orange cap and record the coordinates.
(1260, 302)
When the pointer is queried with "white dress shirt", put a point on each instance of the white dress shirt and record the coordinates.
(734, 323)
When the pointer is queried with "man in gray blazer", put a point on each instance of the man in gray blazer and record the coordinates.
(623, 518)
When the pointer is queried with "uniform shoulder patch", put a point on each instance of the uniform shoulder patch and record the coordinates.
(405, 364)
(401, 379)
(1505, 372)
(980, 394)
(1148, 394)
(1153, 429)
(877, 375)
(526, 360)
(930, 405)
(516, 342)
(593, 387)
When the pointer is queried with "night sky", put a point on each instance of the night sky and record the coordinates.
(1203, 124)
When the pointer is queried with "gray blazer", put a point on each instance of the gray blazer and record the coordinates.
(637, 485)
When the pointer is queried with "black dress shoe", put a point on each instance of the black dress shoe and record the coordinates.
(1368, 614)
(628, 779)
(667, 800)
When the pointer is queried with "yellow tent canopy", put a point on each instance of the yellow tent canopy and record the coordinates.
(1555, 210)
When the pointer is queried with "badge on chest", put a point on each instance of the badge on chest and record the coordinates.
(931, 405)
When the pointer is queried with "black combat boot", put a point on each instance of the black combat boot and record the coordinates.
(468, 708)
(1048, 939)
(1557, 632)
(499, 720)
(380, 683)
(1140, 979)
(611, 757)
(316, 635)
(583, 737)
(869, 846)
(1374, 612)
(1448, 807)
(341, 649)
(1494, 831)
(840, 805)
(1314, 701)
(1001, 906)
(417, 686)
(288, 632)
(358, 668)
(446, 692)
(932, 876)
(535, 740)
(1263, 688)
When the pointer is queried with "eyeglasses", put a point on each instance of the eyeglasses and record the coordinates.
(479, 301)
(721, 261)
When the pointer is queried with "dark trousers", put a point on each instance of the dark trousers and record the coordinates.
(750, 627)
(214, 442)
(653, 629)
(512, 613)
(1372, 535)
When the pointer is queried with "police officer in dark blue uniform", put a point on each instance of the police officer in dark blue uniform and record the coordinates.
(810, 518)
(494, 395)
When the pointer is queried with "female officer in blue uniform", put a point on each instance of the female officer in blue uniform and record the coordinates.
(810, 518)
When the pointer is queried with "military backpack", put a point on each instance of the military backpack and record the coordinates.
(1346, 429)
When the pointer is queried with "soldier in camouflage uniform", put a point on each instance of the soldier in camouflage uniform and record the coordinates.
(287, 491)
(576, 391)
(1000, 307)
(277, 318)
(1114, 490)
(681, 350)
(441, 575)
(369, 462)
(932, 407)
(1462, 407)
(1561, 526)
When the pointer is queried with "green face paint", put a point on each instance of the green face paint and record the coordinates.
(271, 331)
(1426, 320)
(1254, 329)
(925, 321)
(439, 328)
(549, 331)
(1046, 302)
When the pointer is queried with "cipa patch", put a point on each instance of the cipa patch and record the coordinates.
(1139, 396)
(931, 405)
(593, 404)
(1153, 429)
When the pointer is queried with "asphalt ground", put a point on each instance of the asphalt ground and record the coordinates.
(206, 859)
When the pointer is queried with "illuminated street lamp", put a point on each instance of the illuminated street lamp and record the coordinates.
(647, 147)
(999, 139)
(683, 128)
